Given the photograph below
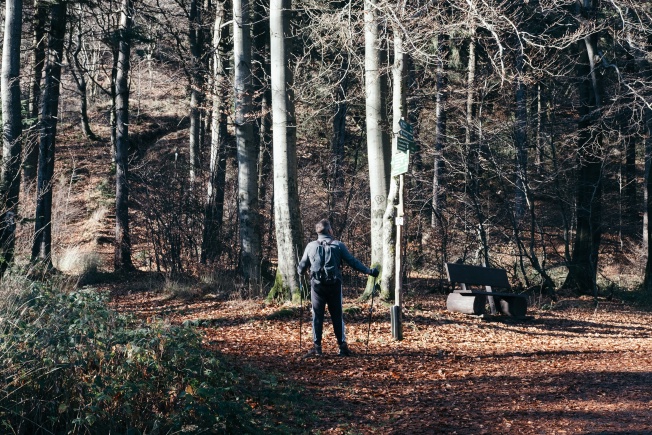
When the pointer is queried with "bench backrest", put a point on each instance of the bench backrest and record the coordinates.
(477, 275)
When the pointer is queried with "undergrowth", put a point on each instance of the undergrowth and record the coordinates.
(71, 365)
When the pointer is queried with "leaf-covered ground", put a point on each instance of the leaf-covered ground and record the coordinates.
(573, 368)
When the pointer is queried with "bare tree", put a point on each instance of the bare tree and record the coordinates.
(195, 37)
(78, 71)
(582, 271)
(214, 207)
(378, 149)
(42, 242)
(286, 195)
(30, 164)
(262, 98)
(247, 147)
(394, 210)
(441, 95)
(122, 257)
(520, 136)
(11, 130)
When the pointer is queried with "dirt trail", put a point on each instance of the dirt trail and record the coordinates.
(569, 370)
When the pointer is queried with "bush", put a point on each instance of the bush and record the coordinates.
(68, 364)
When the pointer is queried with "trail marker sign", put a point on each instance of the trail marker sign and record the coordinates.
(405, 138)
(405, 126)
(400, 163)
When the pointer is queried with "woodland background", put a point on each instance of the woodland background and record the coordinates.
(164, 162)
(531, 120)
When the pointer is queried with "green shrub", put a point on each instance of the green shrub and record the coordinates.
(68, 364)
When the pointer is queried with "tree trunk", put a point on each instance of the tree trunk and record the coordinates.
(470, 99)
(122, 258)
(629, 203)
(646, 191)
(113, 91)
(378, 152)
(640, 54)
(472, 144)
(196, 88)
(399, 111)
(644, 65)
(11, 131)
(214, 207)
(647, 282)
(247, 149)
(42, 242)
(520, 138)
(263, 100)
(540, 137)
(336, 188)
(286, 194)
(438, 196)
(78, 73)
(38, 60)
(582, 271)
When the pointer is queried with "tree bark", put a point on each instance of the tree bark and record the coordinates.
(78, 72)
(378, 151)
(646, 191)
(214, 207)
(38, 61)
(336, 188)
(629, 204)
(647, 281)
(520, 138)
(538, 162)
(246, 146)
(438, 195)
(639, 50)
(582, 270)
(263, 100)
(399, 111)
(472, 144)
(196, 88)
(122, 258)
(286, 193)
(640, 55)
(11, 130)
(42, 241)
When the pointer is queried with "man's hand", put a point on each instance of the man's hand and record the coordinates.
(374, 272)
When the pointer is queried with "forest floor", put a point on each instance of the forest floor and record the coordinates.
(571, 368)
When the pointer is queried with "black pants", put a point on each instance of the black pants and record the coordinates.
(322, 295)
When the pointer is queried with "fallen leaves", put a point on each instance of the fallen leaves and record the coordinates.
(571, 370)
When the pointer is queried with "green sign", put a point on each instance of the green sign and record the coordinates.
(406, 134)
(400, 163)
(405, 138)
(403, 144)
(405, 126)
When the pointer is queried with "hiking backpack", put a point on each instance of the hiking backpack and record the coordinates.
(323, 264)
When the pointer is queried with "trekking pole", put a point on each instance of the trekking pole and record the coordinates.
(301, 302)
(371, 310)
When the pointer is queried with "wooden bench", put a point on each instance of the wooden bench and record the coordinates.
(468, 299)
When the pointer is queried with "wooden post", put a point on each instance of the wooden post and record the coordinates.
(397, 325)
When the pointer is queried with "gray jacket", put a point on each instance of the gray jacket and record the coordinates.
(339, 254)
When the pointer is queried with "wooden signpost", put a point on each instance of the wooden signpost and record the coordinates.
(400, 161)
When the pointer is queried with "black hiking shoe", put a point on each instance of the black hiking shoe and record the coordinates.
(314, 352)
(344, 350)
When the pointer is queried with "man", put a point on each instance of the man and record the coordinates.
(324, 258)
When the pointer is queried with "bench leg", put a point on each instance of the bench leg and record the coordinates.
(515, 307)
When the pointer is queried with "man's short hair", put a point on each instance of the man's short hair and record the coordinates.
(323, 226)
